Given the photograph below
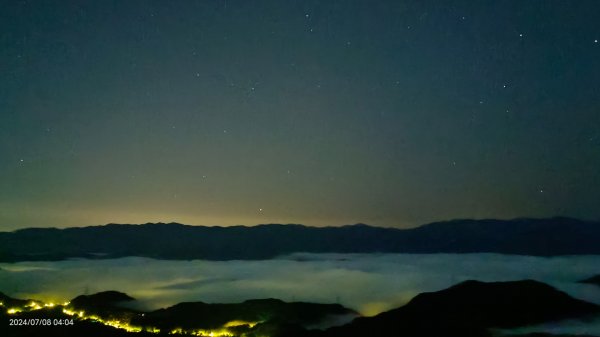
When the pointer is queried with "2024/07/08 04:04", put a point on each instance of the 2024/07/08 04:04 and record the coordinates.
(40, 321)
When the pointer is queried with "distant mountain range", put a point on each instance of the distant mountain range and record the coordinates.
(468, 309)
(539, 237)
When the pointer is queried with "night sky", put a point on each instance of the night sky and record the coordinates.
(391, 113)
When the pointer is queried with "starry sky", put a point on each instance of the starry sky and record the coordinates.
(392, 113)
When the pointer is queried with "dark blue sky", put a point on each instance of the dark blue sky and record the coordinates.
(392, 113)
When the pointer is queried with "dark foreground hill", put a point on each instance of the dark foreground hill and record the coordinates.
(205, 316)
(592, 280)
(469, 309)
(105, 314)
(541, 237)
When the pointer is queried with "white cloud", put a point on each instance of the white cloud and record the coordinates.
(369, 283)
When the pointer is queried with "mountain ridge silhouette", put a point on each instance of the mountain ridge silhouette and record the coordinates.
(467, 309)
(523, 236)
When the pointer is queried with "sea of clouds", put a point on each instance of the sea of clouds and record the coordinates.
(368, 283)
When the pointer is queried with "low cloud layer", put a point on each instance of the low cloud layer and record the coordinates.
(369, 283)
